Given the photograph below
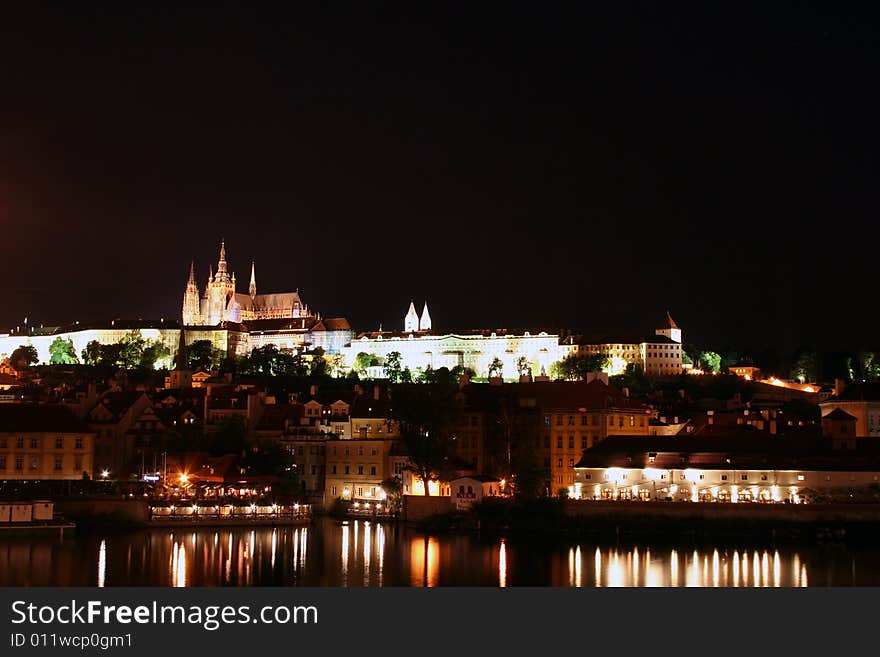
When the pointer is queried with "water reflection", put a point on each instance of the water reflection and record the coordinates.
(365, 553)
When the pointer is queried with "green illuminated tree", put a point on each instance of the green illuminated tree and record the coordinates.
(576, 367)
(202, 355)
(364, 360)
(24, 356)
(62, 352)
(132, 349)
(806, 367)
(710, 361)
(523, 366)
(392, 367)
(496, 368)
(152, 353)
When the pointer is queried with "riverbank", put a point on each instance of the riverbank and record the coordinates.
(668, 522)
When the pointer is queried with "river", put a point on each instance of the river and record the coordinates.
(357, 553)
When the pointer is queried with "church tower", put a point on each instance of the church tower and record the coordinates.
(411, 321)
(220, 288)
(425, 320)
(191, 309)
(252, 289)
(670, 329)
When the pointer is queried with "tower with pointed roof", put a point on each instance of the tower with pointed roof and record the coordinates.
(411, 321)
(425, 319)
(221, 287)
(670, 329)
(191, 304)
(252, 288)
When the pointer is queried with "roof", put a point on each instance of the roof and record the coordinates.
(332, 324)
(366, 406)
(669, 323)
(119, 401)
(746, 449)
(574, 395)
(839, 414)
(632, 339)
(486, 333)
(483, 478)
(39, 418)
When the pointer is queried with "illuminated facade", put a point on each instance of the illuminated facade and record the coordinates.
(659, 354)
(221, 303)
(760, 468)
(421, 348)
(44, 442)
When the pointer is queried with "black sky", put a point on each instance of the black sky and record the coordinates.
(516, 165)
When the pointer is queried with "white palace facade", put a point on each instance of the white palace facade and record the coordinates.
(421, 348)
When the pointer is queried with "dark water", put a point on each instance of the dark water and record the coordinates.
(360, 553)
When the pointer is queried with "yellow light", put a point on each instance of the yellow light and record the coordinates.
(184, 477)
(105, 473)
(357, 505)
(673, 489)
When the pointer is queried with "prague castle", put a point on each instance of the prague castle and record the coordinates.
(221, 303)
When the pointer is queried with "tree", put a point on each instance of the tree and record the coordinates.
(91, 355)
(62, 352)
(110, 354)
(523, 366)
(425, 415)
(393, 487)
(392, 367)
(806, 367)
(460, 370)
(364, 360)
(710, 361)
(202, 355)
(577, 367)
(24, 356)
(496, 368)
(318, 366)
(132, 349)
(152, 353)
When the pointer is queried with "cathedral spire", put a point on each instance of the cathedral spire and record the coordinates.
(192, 273)
(425, 319)
(253, 286)
(222, 273)
(210, 274)
(411, 321)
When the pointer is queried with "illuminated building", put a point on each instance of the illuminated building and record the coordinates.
(421, 348)
(658, 354)
(44, 442)
(747, 465)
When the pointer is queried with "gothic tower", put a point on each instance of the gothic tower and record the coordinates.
(191, 309)
(252, 289)
(670, 329)
(411, 321)
(220, 288)
(425, 319)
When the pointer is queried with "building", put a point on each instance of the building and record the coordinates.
(744, 464)
(658, 354)
(862, 401)
(467, 491)
(39, 442)
(112, 419)
(421, 348)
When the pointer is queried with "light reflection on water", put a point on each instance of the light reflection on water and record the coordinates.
(364, 553)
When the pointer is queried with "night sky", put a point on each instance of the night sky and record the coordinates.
(584, 168)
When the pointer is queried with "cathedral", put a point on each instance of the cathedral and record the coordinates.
(221, 303)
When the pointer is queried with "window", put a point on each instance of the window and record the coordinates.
(333, 490)
(360, 491)
(558, 420)
(77, 463)
(558, 463)
(332, 469)
(801, 477)
(632, 420)
(19, 443)
(314, 469)
(570, 463)
(360, 469)
(373, 470)
(745, 477)
(546, 420)
(373, 451)
(33, 463)
(571, 420)
(19, 463)
(346, 451)
(583, 420)
(588, 476)
(57, 464)
(59, 443)
(571, 442)
(35, 443)
(558, 442)
(723, 477)
(347, 470)
(360, 450)
(583, 442)
(763, 477)
(3, 462)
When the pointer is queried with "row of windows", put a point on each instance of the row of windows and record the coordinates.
(682, 476)
(20, 442)
(347, 469)
(360, 451)
(359, 491)
(34, 463)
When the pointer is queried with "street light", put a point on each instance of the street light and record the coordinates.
(105, 474)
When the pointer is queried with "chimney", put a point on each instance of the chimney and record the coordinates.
(375, 392)
(839, 386)
(313, 390)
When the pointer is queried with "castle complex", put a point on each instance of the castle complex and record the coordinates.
(221, 303)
